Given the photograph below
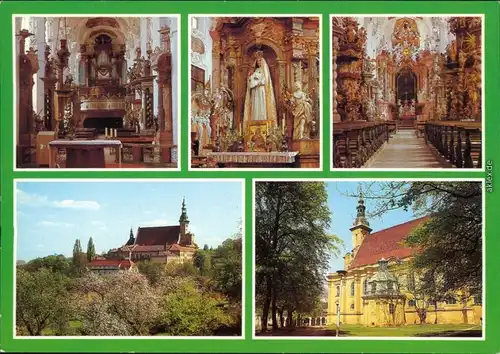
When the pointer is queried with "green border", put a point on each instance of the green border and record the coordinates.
(325, 8)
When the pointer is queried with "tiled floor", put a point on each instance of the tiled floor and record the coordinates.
(405, 150)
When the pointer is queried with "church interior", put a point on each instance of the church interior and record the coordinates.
(96, 92)
(255, 92)
(407, 92)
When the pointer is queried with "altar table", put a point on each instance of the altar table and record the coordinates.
(254, 159)
(84, 153)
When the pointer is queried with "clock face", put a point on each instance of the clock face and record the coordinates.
(406, 51)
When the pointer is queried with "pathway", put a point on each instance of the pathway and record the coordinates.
(405, 150)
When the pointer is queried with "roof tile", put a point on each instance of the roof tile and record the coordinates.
(386, 243)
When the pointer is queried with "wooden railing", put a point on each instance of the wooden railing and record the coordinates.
(458, 142)
(354, 143)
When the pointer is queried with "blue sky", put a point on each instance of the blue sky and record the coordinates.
(51, 215)
(343, 207)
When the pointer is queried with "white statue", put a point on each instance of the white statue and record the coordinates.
(259, 100)
(302, 113)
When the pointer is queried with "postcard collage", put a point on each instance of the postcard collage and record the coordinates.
(248, 177)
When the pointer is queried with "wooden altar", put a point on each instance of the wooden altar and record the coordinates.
(83, 153)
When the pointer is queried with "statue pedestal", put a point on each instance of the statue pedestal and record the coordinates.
(309, 151)
(306, 146)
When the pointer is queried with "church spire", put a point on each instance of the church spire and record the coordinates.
(184, 218)
(131, 238)
(361, 208)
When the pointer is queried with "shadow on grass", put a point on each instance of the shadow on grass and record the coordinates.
(326, 332)
(302, 332)
(465, 333)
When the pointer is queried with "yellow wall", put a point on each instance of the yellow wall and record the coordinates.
(356, 311)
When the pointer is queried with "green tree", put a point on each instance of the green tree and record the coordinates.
(227, 268)
(291, 223)
(185, 269)
(42, 301)
(202, 260)
(90, 250)
(54, 263)
(153, 271)
(189, 311)
(450, 241)
(79, 258)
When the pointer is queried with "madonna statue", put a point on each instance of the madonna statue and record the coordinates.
(259, 100)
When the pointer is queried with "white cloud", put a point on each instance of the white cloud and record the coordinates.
(40, 246)
(98, 223)
(45, 223)
(36, 200)
(147, 212)
(76, 204)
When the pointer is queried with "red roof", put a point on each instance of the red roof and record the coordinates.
(387, 243)
(177, 247)
(147, 248)
(158, 235)
(120, 263)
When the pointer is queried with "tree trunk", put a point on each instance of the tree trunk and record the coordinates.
(290, 323)
(436, 312)
(265, 308)
(274, 310)
(282, 319)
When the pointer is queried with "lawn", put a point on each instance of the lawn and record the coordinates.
(427, 330)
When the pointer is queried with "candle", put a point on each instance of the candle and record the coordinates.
(240, 128)
(283, 123)
(106, 132)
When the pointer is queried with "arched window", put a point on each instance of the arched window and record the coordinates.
(352, 288)
(338, 290)
(374, 288)
(352, 306)
(365, 287)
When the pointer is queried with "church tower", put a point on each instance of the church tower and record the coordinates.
(183, 222)
(361, 226)
(131, 238)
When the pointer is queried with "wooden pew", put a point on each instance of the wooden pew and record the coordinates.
(458, 141)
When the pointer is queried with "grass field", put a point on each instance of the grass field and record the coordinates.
(427, 330)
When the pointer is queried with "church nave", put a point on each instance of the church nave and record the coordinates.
(407, 92)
